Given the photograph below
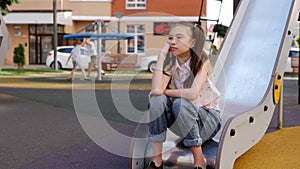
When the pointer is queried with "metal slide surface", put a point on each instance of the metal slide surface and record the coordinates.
(255, 49)
(252, 58)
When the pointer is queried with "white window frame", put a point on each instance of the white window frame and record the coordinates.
(136, 3)
(17, 30)
(136, 34)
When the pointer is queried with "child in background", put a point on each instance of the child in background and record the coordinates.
(75, 55)
(92, 50)
(90, 46)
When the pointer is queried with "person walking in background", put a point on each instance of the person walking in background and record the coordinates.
(190, 110)
(75, 55)
(90, 46)
(92, 52)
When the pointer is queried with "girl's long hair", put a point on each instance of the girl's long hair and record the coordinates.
(198, 56)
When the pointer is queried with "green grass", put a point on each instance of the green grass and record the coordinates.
(25, 71)
(290, 75)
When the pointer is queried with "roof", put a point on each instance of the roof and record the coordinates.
(63, 17)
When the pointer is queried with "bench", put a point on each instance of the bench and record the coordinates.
(119, 62)
(295, 64)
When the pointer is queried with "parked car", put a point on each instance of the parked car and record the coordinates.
(288, 66)
(63, 52)
(147, 63)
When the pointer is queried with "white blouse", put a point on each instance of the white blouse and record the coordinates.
(209, 95)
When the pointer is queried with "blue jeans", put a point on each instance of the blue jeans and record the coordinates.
(194, 125)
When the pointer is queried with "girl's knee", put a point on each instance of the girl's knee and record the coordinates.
(180, 104)
(158, 104)
(158, 99)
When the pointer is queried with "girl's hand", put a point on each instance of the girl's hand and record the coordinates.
(165, 49)
(150, 95)
(155, 92)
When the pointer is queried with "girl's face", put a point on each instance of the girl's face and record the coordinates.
(180, 40)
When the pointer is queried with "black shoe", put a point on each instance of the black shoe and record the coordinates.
(151, 165)
(197, 167)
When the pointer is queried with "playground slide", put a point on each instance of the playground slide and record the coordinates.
(248, 72)
(4, 41)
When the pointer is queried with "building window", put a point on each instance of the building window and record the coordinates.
(136, 45)
(135, 4)
(45, 29)
(17, 30)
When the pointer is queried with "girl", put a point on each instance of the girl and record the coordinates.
(190, 110)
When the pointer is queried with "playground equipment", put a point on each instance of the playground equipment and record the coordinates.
(96, 35)
(4, 41)
(248, 72)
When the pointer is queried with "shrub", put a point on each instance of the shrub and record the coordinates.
(221, 30)
(297, 40)
(19, 56)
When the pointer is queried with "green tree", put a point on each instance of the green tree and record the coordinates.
(4, 5)
(221, 30)
(19, 56)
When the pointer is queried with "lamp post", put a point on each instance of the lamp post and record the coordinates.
(235, 5)
(299, 66)
(55, 34)
(98, 28)
(119, 15)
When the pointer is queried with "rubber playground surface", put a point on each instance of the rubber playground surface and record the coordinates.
(279, 148)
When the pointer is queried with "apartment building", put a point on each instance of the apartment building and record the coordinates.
(31, 23)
